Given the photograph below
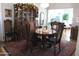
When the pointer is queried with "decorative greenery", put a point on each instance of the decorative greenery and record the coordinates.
(65, 17)
(27, 7)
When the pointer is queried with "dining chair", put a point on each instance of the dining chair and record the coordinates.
(39, 27)
(56, 38)
(8, 29)
(35, 41)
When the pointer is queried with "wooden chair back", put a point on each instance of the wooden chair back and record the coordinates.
(58, 27)
(7, 25)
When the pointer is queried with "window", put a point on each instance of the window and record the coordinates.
(58, 14)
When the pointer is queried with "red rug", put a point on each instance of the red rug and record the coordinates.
(67, 49)
(16, 48)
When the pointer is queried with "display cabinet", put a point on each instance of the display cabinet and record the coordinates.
(24, 16)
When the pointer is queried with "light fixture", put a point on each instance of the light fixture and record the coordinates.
(44, 5)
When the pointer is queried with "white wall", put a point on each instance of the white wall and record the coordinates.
(60, 5)
(77, 45)
(8, 6)
(1, 24)
(4, 6)
(77, 23)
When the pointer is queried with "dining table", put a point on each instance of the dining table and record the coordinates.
(44, 33)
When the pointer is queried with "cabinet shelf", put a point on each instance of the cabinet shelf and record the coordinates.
(23, 13)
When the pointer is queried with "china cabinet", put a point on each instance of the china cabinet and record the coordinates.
(24, 16)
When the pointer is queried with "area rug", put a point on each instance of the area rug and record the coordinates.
(67, 49)
(16, 48)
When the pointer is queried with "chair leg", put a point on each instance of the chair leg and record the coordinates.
(59, 47)
(54, 50)
(31, 49)
(5, 37)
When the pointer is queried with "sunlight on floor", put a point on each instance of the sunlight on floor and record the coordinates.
(66, 35)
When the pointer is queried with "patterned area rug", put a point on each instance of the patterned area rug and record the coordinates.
(16, 48)
(3, 52)
(67, 49)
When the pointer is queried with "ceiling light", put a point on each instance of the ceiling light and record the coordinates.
(44, 5)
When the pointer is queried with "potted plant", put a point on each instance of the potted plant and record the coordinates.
(65, 16)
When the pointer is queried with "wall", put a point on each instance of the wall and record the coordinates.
(7, 6)
(2, 11)
(1, 24)
(76, 15)
(60, 5)
(77, 45)
(77, 23)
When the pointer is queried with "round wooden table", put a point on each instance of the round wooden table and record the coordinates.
(44, 34)
(47, 31)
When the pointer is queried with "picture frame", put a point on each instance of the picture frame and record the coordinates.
(8, 13)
